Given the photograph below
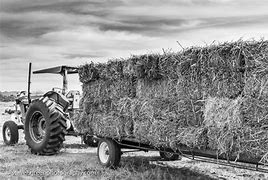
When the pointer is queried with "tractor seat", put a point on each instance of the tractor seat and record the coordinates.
(72, 93)
(57, 90)
(74, 98)
(22, 98)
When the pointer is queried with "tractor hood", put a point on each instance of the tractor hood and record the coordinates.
(58, 70)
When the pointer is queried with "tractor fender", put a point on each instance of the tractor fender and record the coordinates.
(58, 98)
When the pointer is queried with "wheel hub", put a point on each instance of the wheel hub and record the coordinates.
(42, 126)
(168, 155)
(104, 152)
(8, 134)
(37, 127)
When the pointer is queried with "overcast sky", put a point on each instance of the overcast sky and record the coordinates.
(72, 32)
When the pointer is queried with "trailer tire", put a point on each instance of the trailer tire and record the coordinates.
(10, 133)
(109, 153)
(45, 127)
(169, 156)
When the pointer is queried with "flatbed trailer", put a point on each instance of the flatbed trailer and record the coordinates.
(110, 150)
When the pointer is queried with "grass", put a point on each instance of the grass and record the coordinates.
(18, 161)
(139, 167)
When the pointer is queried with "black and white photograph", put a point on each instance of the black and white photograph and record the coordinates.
(133, 90)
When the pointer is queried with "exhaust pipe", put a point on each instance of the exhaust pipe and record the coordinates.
(29, 82)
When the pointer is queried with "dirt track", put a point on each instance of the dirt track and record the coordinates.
(76, 160)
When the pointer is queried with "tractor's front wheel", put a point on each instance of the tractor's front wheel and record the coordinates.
(10, 133)
(45, 127)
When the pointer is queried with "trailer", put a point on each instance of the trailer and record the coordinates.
(110, 150)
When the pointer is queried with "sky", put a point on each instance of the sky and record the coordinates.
(73, 32)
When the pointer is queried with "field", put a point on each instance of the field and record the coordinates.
(76, 161)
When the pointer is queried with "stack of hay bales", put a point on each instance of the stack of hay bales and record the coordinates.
(213, 97)
(240, 126)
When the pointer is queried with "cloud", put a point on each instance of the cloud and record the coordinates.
(68, 6)
(146, 25)
(79, 55)
(152, 26)
(52, 33)
(31, 19)
(33, 24)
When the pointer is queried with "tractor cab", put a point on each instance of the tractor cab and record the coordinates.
(61, 95)
(69, 100)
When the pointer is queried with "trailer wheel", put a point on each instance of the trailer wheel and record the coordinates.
(90, 141)
(45, 127)
(169, 156)
(10, 133)
(109, 153)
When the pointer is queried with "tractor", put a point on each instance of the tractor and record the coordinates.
(46, 118)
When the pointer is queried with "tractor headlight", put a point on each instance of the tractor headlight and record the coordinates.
(68, 122)
(15, 118)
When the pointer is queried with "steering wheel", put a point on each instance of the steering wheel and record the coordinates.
(56, 89)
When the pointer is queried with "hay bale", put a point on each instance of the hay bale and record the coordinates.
(188, 101)
(223, 120)
(230, 130)
(255, 105)
(109, 89)
(264, 159)
(158, 88)
(254, 139)
(82, 122)
(157, 122)
(88, 73)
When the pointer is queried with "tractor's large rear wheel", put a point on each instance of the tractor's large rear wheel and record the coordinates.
(45, 127)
